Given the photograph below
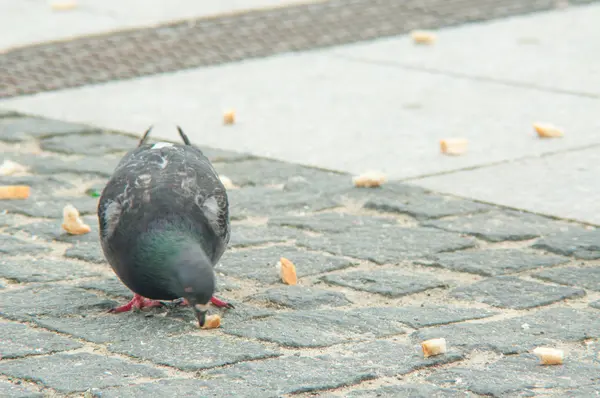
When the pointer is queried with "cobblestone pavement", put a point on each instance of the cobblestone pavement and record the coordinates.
(380, 270)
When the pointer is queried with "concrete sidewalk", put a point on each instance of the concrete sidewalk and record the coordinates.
(386, 104)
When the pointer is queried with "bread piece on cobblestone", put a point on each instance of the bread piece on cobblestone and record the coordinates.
(63, 5)
(370, 179)
(423, 37)
(454, 146)
(287, 271)
(549, 356)
(434, 347)
(72, 222)
(14, 192)
(547, 130)
(212, 322)
(229, 117)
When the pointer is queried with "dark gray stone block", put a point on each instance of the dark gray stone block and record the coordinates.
(520, 334)
(331, 222)
(95, 144)
(50, 208)
(188, 388)
(31, 302)
(84, 371)
(519, 376)
(577, 242)
(11, 246)
(425, 206)
(388, 282)
(8, 113)
(492, 262)
(353, 364)
(595, 304)
(320, 328)
(388, 244)
(41, 186)
(244, 235)
(516, 293)
(40, 127)
(261, 264)
(42, 270)
(302, 297)
(86, 251)
(409, 390)
(51, 165)
(111, 286)
(586, 277)
(18, 340)
(15, 390)
(500, 225)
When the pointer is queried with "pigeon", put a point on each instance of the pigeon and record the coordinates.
(164, 224)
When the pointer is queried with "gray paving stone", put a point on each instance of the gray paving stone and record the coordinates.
(52, 230)
(9, 245)
(492, 262)
(388, 244)
(302, 297)
(17, 340)
(521, 334)
(322, 328)
(501, 225)
(267, 201)
(261, 264)
(43, 270)
(111, 286)
(595, 304)
(577, 242)
(262, 172)
(48, 165)
(84, 371)
(31, 302)
(348, 366)
(40, 127)
(8, 113)
(410, 390)
(86, 251)
(8, 389)
(331, 222)
(515, 293)
(245, 235)
(193, 352)
(41, 186)
(388, 282)
(581, 392)
(188, 388)
(518, 376)
(95, 144)
(220, 155)
(586, 277)
(426, 206)
(50, 208)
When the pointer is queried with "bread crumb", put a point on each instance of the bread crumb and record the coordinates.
(370, 179)
(229, 117)
(549, 356)
(434, 347)
(547, 130)
(454, 146)
(288, 271)
(63, 5)
(72, 222)
(423, 37)
(14, 192)
(212, 322)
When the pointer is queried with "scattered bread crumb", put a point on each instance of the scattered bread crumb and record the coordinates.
(72, 223)
(227, 183)
(8, 168)
(63, 5)
(229, 117)
(370, 179)
(454, 146)
(549, 356)
(212, 322)
(423, 37)
(14, 192)
(434, 347)
(288, 271)
(547, 130)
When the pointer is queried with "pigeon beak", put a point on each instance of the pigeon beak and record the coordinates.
(201, 313)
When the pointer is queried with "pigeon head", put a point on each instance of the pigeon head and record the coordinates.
(195, 279)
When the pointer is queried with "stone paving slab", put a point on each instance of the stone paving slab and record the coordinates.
(348, 320)
(9, 389)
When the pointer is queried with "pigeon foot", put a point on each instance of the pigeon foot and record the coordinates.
(216, 302)
(137, 302)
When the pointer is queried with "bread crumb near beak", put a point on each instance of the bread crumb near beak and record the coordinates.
(212, 322)
(434, 347)
(549, 356)
(370, 179)
(72, 222)
(288, 272)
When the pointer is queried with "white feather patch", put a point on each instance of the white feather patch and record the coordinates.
(159, 145)
(211, 209)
